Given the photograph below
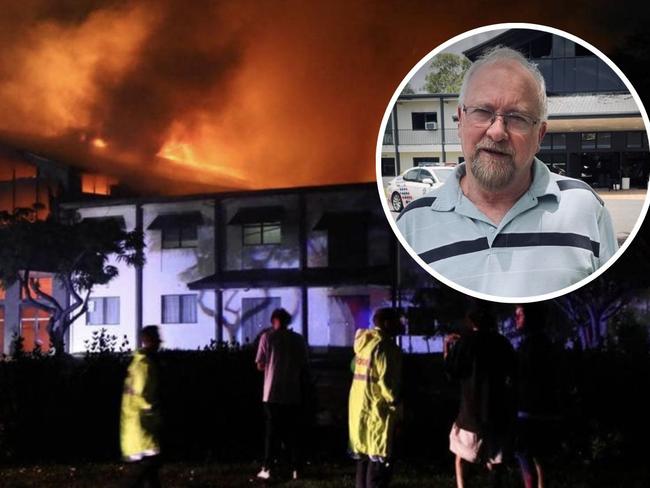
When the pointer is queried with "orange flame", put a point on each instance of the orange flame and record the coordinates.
(99, 143)
(237, 93)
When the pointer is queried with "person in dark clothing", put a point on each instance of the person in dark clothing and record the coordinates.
(483, 362)
(537, 394)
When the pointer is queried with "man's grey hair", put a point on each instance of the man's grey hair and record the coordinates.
(501, 53)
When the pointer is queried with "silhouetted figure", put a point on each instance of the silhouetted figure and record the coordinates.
(483, 361)
(375, 399)
(537, 394)
(140, 419)
(282, 356)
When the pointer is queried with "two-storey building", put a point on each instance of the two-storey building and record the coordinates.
(217, 265)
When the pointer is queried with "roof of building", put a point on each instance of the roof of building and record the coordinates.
(578, 105)
(511, 37)
(598, 104)
(110, 201)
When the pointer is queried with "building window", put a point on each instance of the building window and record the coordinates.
(588, 140)
(45, 285)
(553, 142)
(559, 141)
(347, 246)
(347, 237)
(426, 161)
(178, 230)
(33, 328)
(97, 184)
(596, 140)
(424, 120)
(635, 139)
(103, 311)
(259, 233)
(177, 237)
(388, 167)
(179, 309)
(604, 140)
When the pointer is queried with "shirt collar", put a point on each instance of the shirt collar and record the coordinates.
(543, 183)
(450, 194)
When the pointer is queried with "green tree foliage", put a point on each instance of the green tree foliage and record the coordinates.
(446, 72)
(76, 252)
(408, 90)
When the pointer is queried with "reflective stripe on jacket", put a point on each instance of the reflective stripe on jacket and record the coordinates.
(374, 394)
(140, 416)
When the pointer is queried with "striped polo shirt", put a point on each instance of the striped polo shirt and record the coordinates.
(556, 234)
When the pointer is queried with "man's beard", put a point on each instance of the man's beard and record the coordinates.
(492, 174)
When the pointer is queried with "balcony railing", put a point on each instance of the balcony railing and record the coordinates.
(408, 137)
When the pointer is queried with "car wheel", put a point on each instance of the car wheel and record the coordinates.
(396, 201)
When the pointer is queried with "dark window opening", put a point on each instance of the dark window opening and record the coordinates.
(388, 167)
(596, 140)
(427, 161)
(553, 142)
(178, 237)
(604, 140)
(541, 47)
(347, 245)
(636, 140)
(424, 120)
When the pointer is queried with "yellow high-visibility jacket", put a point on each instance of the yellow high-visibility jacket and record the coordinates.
(374, 395)
(140, 420)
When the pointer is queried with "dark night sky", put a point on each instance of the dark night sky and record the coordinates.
(246, 94)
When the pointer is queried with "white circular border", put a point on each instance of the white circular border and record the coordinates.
(391, 219)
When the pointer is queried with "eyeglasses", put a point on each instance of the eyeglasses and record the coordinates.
(514, 121)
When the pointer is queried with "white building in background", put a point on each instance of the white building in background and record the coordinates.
(217, 265)
(422, 129)
(595, 130)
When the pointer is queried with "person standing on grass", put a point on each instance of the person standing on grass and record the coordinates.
(374, 404)
(140, 420)
(483, 362)
(282, 356)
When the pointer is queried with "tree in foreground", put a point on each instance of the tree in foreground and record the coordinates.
(78, 253)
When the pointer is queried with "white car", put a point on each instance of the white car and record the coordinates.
(414, 183)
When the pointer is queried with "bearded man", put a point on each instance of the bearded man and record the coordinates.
(503, 224)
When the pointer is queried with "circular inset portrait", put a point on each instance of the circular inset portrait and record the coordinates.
(513, 163)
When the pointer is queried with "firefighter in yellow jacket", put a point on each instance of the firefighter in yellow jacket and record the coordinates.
(374, 405)
(140, 420)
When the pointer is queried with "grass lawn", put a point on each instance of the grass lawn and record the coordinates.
(323, 476)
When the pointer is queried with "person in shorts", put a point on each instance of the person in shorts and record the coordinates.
(483, 362)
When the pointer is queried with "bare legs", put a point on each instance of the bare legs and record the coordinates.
(460, 475)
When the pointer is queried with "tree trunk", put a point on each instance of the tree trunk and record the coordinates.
(57, 328)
